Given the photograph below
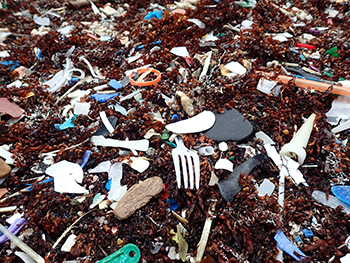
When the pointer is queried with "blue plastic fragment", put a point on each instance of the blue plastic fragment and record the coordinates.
(39, 55)
(115, 84)
(288, 247)
(155, 14)
(30, 188)
(302, 57)
(308, 232)
(139, 47)
(104, 38)
(173, 205)
(1, 232)
(104, 97)
(175, 118)
(342, 192)
(156, 42)
(108, 184)
(298, 239)
(85, 158)
(11, 64)
(73, 80)
(67, 124)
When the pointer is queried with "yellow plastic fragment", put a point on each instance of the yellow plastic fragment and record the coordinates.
(183, 246)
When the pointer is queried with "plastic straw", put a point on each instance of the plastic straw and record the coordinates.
(21, 245)
(316, 85)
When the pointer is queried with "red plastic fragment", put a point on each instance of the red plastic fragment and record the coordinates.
(305, 46)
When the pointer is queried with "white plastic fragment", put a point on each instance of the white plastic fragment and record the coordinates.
(69, 243)
(41, 21)
(139, 145)
(247, 24)
(117, 191)
(267, 86)
(331, 201)
(206, 150)
(206, 64)
(110, 11)
(224, 164)
(16, 84)
(67, 175)
(137, 163)
(236, 68)
(172, 253)
(213, 179)
(201, 122)
(24, 256)
(14, 217)
(223, 146)
(6, 155)
(345, 259)
(180, 51)
(286, 165)
(150, 133)
(92, 71)
(264, 137)
(196, 21)
(282, 37)
(266, 188)
(94, 8)
(106, 122)
(81, 108)
(8, 209)
(101, 167)
(66, 30)
(204, 239)
(340, 110)
(296, 147)
(4, 54)
(209, 38)
(342, 127)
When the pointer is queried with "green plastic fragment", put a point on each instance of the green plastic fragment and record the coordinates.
(165, 135)
(328, 74)
(341, 79)
(171, 144)
(127, 254)
(333, 52)
(232, 158)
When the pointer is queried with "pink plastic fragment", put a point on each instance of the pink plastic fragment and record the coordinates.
(10, 108)
(314, 68)
(92, 36)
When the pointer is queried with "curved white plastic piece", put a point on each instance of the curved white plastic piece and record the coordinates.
(296, 147)
(139, 145)
(342, 127)
(224, 164)
(201, 122)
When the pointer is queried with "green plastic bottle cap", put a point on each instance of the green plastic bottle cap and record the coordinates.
(127, 254)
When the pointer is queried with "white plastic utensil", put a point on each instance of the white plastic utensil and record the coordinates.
(191, 163)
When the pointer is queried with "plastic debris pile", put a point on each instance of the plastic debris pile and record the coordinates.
(174, 131)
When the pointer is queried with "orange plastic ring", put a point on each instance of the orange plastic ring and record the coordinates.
(145, 83)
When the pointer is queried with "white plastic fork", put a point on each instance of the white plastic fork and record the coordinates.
(189, 161)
